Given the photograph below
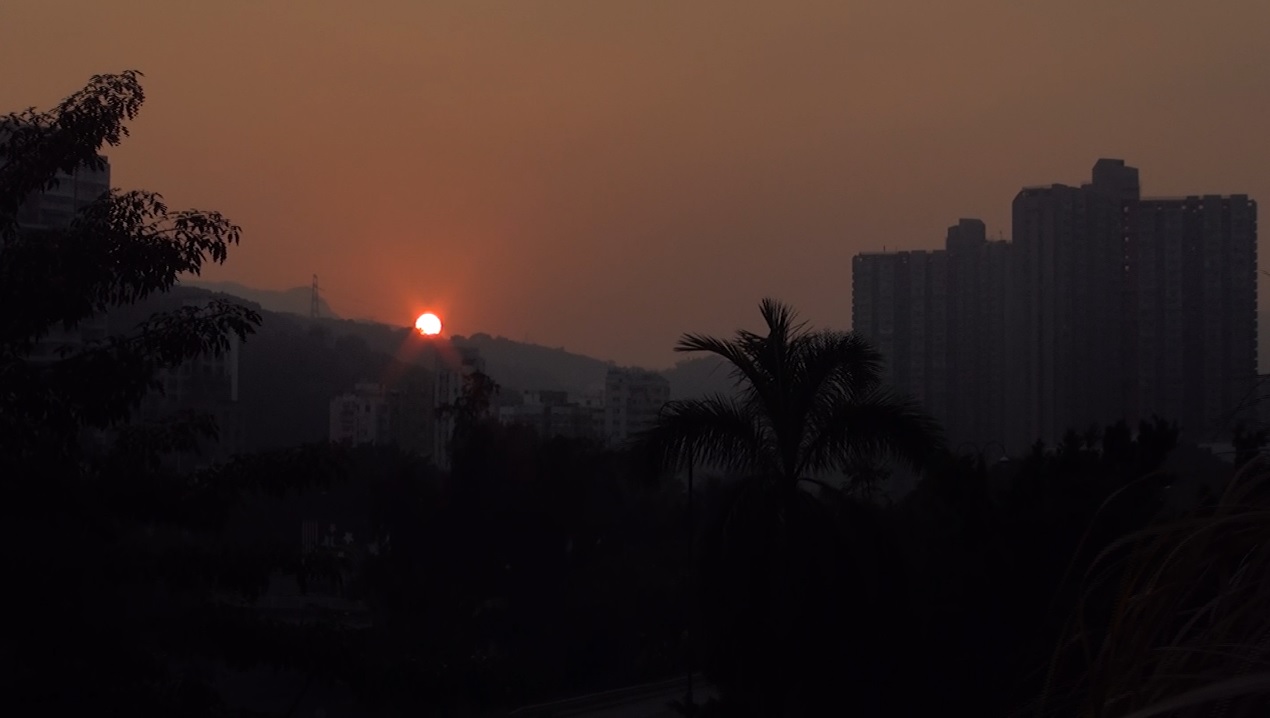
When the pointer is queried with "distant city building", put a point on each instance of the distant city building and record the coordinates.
(939, 319)
(373, 414)
(53, 210)
(1193, 308)
(205, 385)
(633, 400)
(595, 406)
(412, 418)
(454, 364)
(361, 416)
(408, 414)
(553, 414)
(900, 303)
(1070, 259)
(56, 208)
(1105, 306)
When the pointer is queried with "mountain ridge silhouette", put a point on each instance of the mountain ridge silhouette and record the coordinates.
(515, 364)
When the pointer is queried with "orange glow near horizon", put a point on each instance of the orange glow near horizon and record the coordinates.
(581, 175)
(428, 324)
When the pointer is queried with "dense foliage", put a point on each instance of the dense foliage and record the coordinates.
(146, 589)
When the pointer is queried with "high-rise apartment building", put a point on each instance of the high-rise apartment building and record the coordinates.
(1192, 273)
(978, 329)
(454, 365)
(939, 320)
(54, 210)
(900, 304)
(1070, 259)
(1104, 306)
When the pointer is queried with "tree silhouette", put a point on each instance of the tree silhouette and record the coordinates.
(473, 404)
(785, 574)
(115, 558)
(122, 248)
(809, 403)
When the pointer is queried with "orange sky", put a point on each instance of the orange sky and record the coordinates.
(606, 175)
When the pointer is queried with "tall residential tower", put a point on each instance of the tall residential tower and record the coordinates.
(1105, 306)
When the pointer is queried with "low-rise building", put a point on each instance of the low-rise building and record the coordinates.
(361, 416)
(374, 414)
(633, 400)
(554, 414)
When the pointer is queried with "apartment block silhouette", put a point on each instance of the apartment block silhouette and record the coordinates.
(1103, 306)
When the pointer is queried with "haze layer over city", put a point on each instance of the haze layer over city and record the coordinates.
(572, 172)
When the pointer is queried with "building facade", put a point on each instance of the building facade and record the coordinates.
(633, 400)
(54, 210)
(205, 385)
(454, 365)
(1104, 306)
(1070, 260)
(361, 416)
(900, 304)
(554, 414)
(402, 416)
(939, 319)
(1193, 310)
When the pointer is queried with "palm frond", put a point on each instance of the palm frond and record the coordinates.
(779, 349)
(716, 430)
(743, 368)
(783, 342)
(835, 367)
(881, 424)
(780, 318)
(810, 400)
(754, 372)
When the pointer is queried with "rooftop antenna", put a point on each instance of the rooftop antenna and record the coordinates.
(314, 305)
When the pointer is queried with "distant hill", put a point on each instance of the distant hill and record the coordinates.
(530, 366)
(289, 369)
(697, 377)
(518, 365)
(515, 365)
(288, 301)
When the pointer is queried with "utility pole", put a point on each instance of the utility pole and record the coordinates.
(314, 303)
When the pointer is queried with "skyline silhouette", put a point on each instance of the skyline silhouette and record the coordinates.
(653, 159)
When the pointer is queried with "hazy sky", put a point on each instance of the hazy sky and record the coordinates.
(605, 175)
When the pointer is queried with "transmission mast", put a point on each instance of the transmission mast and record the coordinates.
(314, 303)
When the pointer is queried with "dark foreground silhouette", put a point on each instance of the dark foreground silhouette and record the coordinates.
(1115, 573)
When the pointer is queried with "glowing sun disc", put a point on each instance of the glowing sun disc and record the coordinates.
(428, 324)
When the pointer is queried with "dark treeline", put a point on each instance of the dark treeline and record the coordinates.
(1112, 573)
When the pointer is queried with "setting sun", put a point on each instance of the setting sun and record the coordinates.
(428, 324)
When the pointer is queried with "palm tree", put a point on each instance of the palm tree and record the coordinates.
(809, 403)
(783, 571)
